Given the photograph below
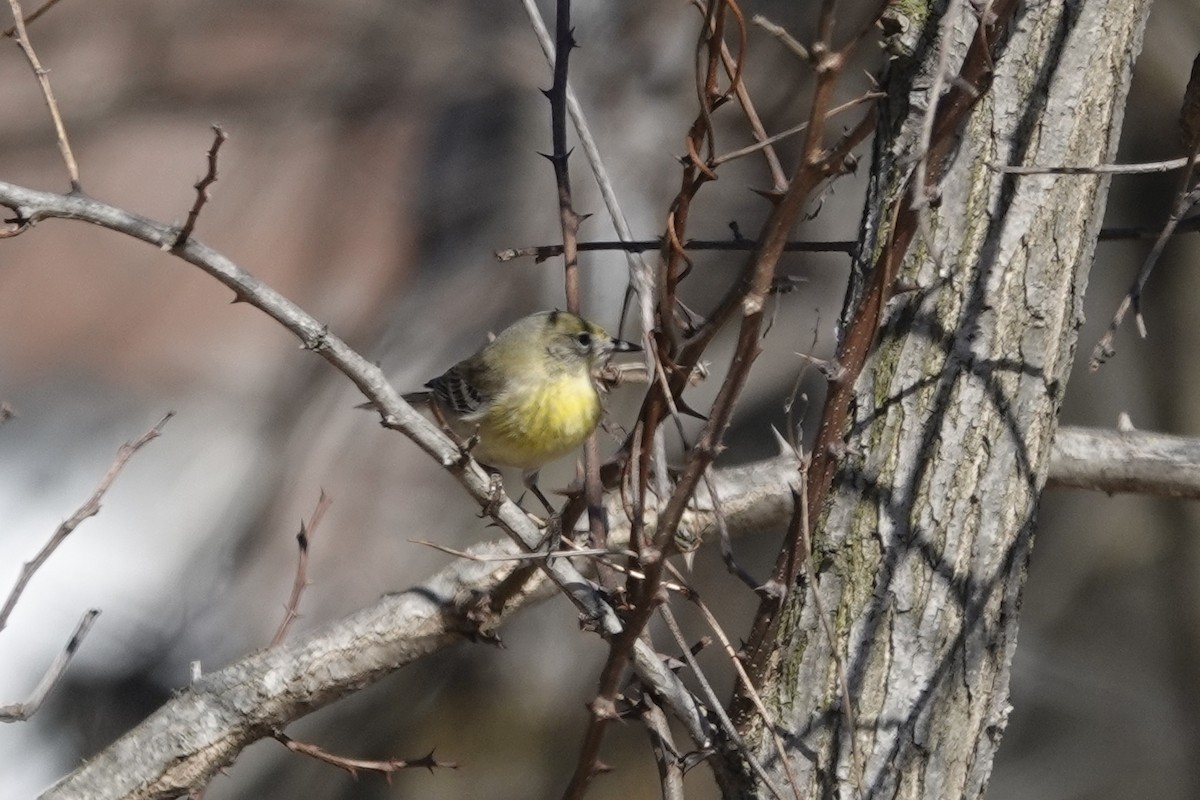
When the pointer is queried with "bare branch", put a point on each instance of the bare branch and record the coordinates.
(19, 712)
(1105, 348)
(303, 539)
(670, 764)
(1138, 462)
(543, 252)
(353, 765)
(1094, 169)
(201, 187)
(43, 79)
(29, 20)
(88, 509)
(716, 706)
(786, 39)
(205, 726)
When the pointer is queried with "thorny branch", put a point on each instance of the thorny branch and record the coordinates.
(681, 345)
(353, 765)
(201, 187)
(303, 539)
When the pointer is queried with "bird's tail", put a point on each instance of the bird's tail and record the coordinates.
(412, 398)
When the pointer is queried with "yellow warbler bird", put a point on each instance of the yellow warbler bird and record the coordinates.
(530, 395)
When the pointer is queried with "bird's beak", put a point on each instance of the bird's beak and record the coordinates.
(622, 346)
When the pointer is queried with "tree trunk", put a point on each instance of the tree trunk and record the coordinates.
(921, 550)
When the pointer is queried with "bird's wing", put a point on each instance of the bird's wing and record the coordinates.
(461, 389)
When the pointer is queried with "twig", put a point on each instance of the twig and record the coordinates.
(19, 712)
(29, 20)
(726, 544)
(201, 187)
(88, 509)
(564, 41)
(746, 687)
(1141, 168)
(833, 112)
(1105, 349)
(662, 744)
(266, 690)
(543, 252)
(303, 539)
(590, 552)
(786, 39)
(762, 141)
(60, 131)
(718, 709)
(353, 765)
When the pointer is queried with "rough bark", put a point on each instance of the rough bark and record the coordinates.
(921, 549)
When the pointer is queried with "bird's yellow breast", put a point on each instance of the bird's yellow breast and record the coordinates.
(533, 424)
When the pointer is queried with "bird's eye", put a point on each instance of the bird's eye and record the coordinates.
(584, 339)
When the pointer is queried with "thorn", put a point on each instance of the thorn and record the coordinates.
(603, 708)
(785, 447)
(773, 195)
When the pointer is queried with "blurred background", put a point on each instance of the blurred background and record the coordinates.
(379, 153)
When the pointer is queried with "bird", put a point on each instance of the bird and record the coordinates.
(530, 395)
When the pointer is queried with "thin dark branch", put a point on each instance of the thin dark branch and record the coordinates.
(847, 246)
(762, 141)
(19, 712)
(201, 187)
(543, 252)
(88, 509)
(29, 20)
(564, 43)
(303, 539)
